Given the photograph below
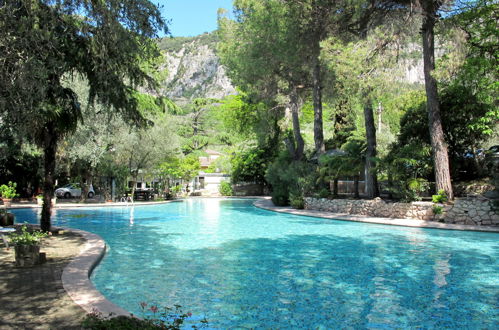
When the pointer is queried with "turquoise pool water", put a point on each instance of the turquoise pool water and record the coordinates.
(244, 267)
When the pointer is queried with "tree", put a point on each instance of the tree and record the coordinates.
(189, 167)
(143, 149)
(429, 11)
(438, 145)
(107, 42)
(365, 68)
(195, 128)
(262, 55)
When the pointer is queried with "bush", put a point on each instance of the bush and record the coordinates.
(410, 190)
(250, 166)
(323, 193)
(26, 237)
(437, 209)
(225, 189)
(8, 191)
(164, 318)
(440, 197)
(288, 177)
(296, 201)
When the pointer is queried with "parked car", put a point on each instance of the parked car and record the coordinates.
(73, 190)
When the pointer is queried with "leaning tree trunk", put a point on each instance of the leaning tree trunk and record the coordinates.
(49, 153)
(371, 176)
(320, 147)
(438, 145)
(295, 104)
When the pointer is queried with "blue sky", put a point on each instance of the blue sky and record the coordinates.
(192, 17)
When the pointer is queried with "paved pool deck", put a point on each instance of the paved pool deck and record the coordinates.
(34, 297)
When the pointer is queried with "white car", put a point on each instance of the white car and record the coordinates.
(73, 190)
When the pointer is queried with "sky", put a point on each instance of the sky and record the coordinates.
(192, 17)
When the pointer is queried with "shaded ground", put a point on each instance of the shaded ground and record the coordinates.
(34, 298)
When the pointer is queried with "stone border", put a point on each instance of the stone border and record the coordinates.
(76, 277)
(267, 204)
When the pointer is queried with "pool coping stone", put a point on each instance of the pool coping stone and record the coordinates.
(266, 204)
(76, 277)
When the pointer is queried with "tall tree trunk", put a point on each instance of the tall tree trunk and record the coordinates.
(371, 176)
(356, 179)
(320, 147)
(438, 145)
(295, 105)
(50, 140)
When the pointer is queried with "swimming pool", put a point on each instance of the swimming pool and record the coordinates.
(243, 267)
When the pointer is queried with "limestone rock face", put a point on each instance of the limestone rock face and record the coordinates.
(194, 69)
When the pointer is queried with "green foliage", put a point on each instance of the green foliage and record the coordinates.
(440, 197)
(189, 167)
(8, 190)
(354, 156)
(71, 38)
(170, 168)
(239, 116)
(290, 178)
(225, 189)
(250, 166)
(199, 126)
(437, 209)
(154, 318)
(409, 190)
(462, 136)
(323, 193)
(26, 237)
(175, 44)
(296, 201)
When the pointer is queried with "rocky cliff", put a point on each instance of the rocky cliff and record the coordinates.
(194, 69)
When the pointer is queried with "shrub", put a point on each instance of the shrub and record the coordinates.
(290, 177)
(225, 189)
(27, 238)
(323, 193)
(162, 318)
(440, 197)
(296, 201)
(250, 166)
(437, 209)
(8, 191)
(410, 190)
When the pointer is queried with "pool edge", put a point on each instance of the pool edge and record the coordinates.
(266, 204)
(76, 277)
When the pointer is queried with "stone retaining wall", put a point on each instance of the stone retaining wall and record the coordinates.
(470, 211)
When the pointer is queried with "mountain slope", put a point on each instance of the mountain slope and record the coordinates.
(194, 69)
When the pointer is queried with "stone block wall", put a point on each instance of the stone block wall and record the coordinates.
(471, 211)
